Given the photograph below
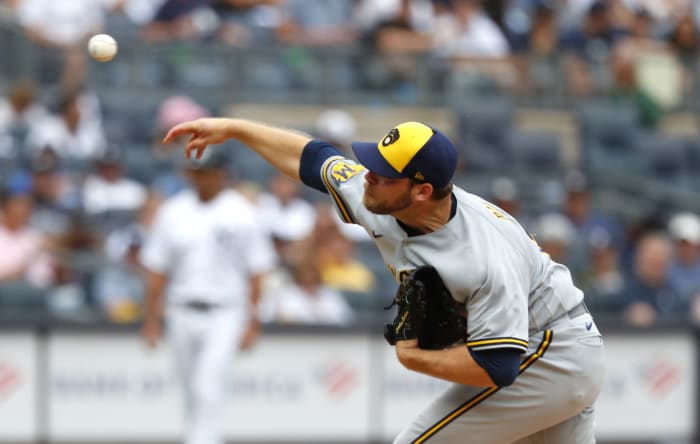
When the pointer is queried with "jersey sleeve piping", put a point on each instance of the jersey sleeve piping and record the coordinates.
(345, 212)
(487, 344)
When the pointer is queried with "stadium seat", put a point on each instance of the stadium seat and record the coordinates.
(535, 153)
(21, 298)
(692, 158)
(664, 157)
(482, 129)
(608, 133)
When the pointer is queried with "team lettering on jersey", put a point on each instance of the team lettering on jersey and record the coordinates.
(343, 171)
(496, 211)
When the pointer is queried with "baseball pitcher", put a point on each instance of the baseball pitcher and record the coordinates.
(479, 304)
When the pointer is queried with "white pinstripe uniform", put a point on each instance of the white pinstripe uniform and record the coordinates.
(208, 250)
(516, 297)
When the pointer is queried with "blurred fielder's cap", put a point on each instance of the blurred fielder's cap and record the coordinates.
(685, 226)
(411, 150)
(213, 158)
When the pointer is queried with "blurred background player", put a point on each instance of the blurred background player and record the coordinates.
(205, 256)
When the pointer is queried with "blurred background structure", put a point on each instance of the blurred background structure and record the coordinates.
(579, 117)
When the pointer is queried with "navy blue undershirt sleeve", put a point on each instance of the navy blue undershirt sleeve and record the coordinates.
(315, 153)
(502, 364)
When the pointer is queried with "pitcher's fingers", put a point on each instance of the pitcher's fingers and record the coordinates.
(178, 130)
(197, 148)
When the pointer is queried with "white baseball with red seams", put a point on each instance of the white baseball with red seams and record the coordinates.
(102, 47)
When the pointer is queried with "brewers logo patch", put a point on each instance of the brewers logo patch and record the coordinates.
(342, 171)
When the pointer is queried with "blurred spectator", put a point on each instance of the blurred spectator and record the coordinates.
(587, 48)
(336, 127)
(68, 296)
(60, 30)
(467, 32)
(311, 24)
(684, 271)
(475, 47)
(316, 22)
(339, 268)
(107, 189)
(25, 250)
(177, 109)
(181, 20)
(17, 113)
(626, 87)
(328, 223)
(684, 39)
(650, 295)
(555, 235)
(306, 300)
(74, 133)
(394, 31)
(604, 282)
(538, 35)
(585, 218)
(247, 22)
(285, 213)
(118, 286)
(57, 195)
(503, 192)
(644, 70)
(535, 47)
(139, 11)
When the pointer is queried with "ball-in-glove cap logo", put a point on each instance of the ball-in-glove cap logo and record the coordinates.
(390, 138)
(412, 150)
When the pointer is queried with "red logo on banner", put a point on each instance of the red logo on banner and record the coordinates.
(661, 376)
(339, 378)
(9, 379)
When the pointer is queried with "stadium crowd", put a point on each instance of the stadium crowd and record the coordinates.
(75, 209)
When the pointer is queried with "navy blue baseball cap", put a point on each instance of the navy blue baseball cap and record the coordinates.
(412, 150)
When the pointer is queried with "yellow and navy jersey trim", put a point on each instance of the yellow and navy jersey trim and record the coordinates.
(484, 394)
(486, 344)
(345, 212)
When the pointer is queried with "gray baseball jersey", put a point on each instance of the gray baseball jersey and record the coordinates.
(486, 259)
(514, 295)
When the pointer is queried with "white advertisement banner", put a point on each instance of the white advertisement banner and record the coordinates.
(104, 386)
(299, 387)
(650, 388)
(303, 388)
(110, 387)
(18, 396)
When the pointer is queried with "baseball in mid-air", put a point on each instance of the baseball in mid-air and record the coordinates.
(102, 47)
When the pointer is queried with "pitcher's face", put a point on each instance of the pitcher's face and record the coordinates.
(384, 195)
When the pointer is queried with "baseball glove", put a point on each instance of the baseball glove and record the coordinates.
(426, 310)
